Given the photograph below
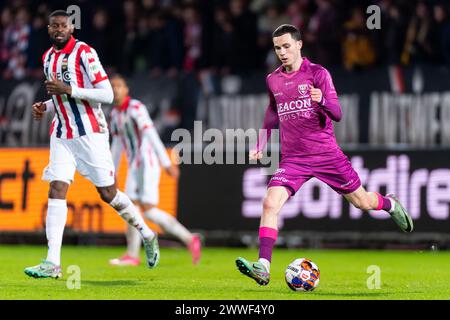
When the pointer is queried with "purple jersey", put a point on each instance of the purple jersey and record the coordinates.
(306, 127)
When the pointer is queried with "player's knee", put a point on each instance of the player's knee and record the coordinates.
(58, 190)
(270, 205)
(147, 207)
(107, 194)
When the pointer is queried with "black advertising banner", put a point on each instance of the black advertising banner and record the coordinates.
(229, 197)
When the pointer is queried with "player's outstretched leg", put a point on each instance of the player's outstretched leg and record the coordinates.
(268, 233)
(123, 205)
(172, 226)
(366, 201)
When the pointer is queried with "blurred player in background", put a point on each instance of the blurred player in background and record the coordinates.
(133, 131)
(303, 101)
(78, 85)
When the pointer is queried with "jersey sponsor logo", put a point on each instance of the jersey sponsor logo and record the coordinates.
(282, 179)
(66, 76)
(295, 109)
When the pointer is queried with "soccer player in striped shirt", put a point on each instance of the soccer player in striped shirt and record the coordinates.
(304, 102)
(78, 85)
(133, 131)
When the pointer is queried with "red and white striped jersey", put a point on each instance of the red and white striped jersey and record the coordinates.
(77, 64)
(131, 124)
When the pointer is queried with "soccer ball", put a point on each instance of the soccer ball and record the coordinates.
(302, 275)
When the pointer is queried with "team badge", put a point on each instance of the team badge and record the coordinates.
(64, 63)
(303, 89)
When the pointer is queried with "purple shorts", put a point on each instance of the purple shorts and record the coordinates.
(336, 171)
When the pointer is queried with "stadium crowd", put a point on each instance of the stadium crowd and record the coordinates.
(227, 36)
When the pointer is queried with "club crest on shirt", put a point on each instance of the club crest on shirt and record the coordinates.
(303, 89)
(64, 63)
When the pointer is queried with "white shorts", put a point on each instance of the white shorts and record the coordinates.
(143, 182)
(89, 155)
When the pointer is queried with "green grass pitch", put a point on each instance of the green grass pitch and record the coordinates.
(404, 275)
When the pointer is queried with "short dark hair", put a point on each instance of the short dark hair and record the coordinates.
(287, 28)
(118, 76)
(58, 13)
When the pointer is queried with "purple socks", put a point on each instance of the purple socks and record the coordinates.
(384, 203)
(267, 238)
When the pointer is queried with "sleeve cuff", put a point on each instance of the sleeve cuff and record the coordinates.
(75, 92)
(49, 106)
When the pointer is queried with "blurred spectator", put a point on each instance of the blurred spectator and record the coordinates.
(272, 17)
(165, 44)
(244, 37)
(440, 35)
(39, 43)
(297, 12)
(17, 46)
(418, 48)
(192, 38)
(129, 20)
(6, 21)
(322, 36)
(221, 41)
(100, 37)
(140, 44)
(357, 48)
(395, 34)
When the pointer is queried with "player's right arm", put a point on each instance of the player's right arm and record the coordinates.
(39, 108)
(269, 123)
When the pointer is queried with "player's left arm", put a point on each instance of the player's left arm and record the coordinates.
(324, 93)
(102, 91)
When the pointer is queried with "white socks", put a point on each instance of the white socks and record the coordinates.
(265, 263)
(122, 204)
(134, 241)
(169, 224)
(54, 228)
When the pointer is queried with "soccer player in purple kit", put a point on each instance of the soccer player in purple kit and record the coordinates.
(304, 102)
